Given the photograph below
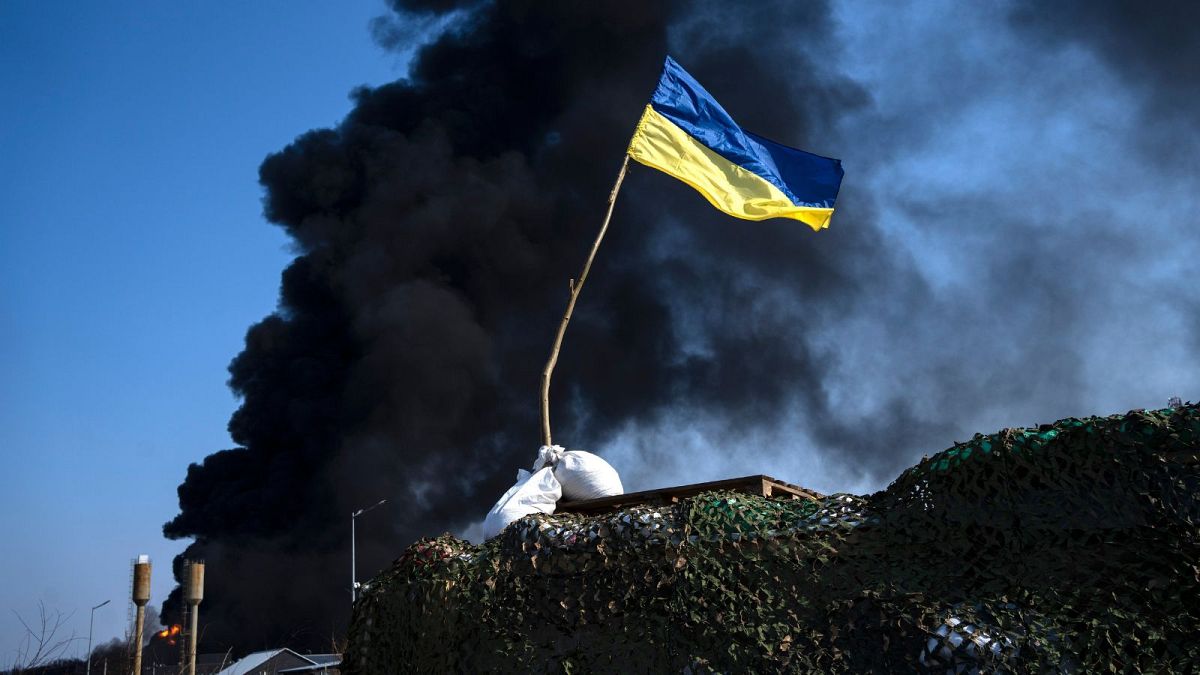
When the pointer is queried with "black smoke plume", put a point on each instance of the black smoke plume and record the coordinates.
(436, 228)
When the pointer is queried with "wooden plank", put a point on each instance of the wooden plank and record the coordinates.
(779, 488)
(761, 485)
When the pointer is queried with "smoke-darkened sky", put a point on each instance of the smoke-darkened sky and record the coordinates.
(1013, 244)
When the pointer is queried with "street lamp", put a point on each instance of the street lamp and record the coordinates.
(353, 560)
(90, 621)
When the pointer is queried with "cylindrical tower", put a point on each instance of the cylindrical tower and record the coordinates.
(193, 593)
(141, 595)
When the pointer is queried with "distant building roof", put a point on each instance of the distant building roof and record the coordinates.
(315, 668)
(247, 664)
(321, 663)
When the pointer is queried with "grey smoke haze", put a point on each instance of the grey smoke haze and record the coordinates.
(1049, 240)
(1154, 52)
(1058, 249)
(1008, 249)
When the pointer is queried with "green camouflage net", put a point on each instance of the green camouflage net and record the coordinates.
(1068, 548)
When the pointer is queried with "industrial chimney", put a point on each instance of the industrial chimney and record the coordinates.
(193, 593)
(141, 595)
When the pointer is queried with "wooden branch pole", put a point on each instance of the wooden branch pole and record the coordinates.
(575, 287)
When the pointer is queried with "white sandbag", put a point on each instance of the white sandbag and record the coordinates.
(581, 474)
(534, 493)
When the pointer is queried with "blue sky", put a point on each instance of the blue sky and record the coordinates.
(134, 258)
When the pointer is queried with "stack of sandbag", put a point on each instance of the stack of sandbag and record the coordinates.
(557, 473)
(535, 492)
(581, 474)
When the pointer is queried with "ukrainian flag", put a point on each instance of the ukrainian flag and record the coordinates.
(685, 133)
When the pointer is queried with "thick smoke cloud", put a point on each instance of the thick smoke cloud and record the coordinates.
(437, 227)
(1013, 167)
(1153, 50)
(967, 283)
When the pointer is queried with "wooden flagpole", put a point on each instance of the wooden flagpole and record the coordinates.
(575, 287)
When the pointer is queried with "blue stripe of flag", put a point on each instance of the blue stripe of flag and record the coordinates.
(806, 179)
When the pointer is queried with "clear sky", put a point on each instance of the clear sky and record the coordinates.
(1037, 176)
(133, 257)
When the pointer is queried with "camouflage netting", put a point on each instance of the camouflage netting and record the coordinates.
(1067, 548)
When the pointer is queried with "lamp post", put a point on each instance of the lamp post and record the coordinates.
(353, 559)
(90, 622)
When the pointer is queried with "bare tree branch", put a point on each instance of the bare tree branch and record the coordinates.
(38, 646)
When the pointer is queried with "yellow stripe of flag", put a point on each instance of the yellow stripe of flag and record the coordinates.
(660, 144)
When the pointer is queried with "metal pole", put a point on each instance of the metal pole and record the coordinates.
(89, 649)
(91, 621)
(353, 558)
(575, 286)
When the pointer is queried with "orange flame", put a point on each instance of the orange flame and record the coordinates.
(170, 633)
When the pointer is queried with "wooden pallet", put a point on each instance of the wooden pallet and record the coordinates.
(763, 486)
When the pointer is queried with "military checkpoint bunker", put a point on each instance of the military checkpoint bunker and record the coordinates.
(1071, 547)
